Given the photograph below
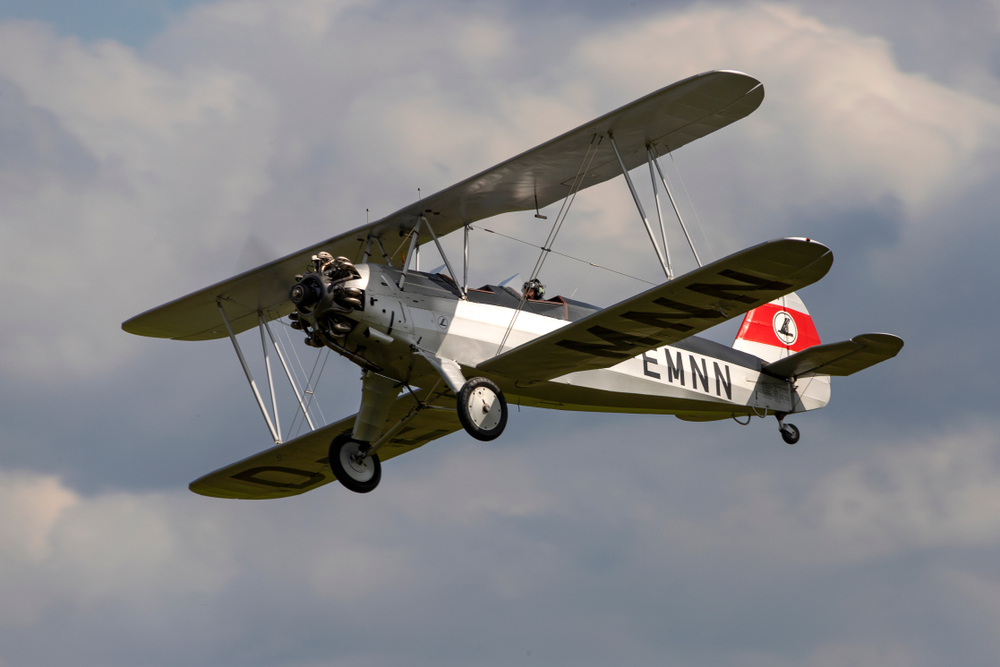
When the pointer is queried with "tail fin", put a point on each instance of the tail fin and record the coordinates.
(777, 329)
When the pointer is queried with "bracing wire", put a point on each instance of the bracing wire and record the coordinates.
(298, 418)
(588, 159)
(580, 284)
(293, 347)
(403, 242)
(562, 254)
(697, 218)
(280, 345)
(567, 203)
(286, 345)
(319, 407)
(302, 375)
(309, 383)
(309, 395)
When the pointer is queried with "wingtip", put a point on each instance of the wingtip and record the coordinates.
(886, 341)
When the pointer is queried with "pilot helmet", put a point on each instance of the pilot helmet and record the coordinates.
(536, 285)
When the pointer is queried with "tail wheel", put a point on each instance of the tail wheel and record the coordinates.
(354, 469)
(482, 409)
(790, 433)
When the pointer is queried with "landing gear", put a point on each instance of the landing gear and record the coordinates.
(482, 409)
(354, 468)
(789, 432)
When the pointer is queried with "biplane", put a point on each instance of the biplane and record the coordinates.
(438, 356)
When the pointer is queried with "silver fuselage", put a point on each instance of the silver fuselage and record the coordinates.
(695, 379)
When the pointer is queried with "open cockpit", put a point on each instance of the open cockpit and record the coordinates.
(440, 285)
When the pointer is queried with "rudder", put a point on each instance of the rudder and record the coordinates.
(777, 329)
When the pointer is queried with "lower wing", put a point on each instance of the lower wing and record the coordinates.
(300, 465)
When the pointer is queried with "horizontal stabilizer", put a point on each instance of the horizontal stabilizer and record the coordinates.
(666, 119)
(844, 358)
(669, 312)
(300, 465)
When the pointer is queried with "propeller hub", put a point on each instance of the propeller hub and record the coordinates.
(306, 293)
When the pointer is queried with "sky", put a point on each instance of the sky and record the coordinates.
(150, 149)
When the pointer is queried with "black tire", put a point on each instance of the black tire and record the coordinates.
(790, 434)
(360, 478)
(477, 404)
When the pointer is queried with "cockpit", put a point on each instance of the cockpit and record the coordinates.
(441, 285)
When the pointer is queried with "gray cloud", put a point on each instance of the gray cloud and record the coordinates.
(128, 178)
(479, 553)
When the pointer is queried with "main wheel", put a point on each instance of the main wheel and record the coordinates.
(358, 474)
(790, 434)
(482, 409)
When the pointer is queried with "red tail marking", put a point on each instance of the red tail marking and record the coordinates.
(759, 326)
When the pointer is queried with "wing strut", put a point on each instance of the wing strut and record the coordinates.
(270, 380)
(454, 276)
(465, 271)
(246, 370)
(388, 260)
(411, 254)
(656, 161)
(288, 374)
(659, 212)
(368, 249)
(638, 204)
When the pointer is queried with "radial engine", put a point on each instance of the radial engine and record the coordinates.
(323, 300)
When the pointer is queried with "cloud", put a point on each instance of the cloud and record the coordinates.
(840, 120)
(144, 550)
(31, 507)
(127, 178)
(497, 539)
(163, 165)
(59, 548)
(939, 492)
(140, 171)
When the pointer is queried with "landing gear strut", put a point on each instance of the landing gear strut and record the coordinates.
(353, 466)
(482, 409)
(789, 432)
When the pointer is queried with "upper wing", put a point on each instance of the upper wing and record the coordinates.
(668, 119)
(670, 312)
(845, 358)
(300, 465)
